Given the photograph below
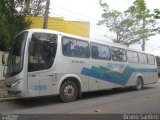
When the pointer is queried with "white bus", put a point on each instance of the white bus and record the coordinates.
(45, 62)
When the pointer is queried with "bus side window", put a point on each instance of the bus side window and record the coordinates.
(68, 47)
(75, 47)
(95, 51)
(99, 51)
(118, 54)
(105, 52)
(151, 59)
(83, 49)
(132, 56)
(142, 58)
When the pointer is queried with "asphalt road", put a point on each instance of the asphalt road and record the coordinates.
(116, 101)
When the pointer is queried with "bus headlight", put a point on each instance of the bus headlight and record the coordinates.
(16, 83)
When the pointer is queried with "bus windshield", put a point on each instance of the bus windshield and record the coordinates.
(42, 51)
(16, 54)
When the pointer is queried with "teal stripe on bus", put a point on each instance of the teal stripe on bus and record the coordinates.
(106, 74)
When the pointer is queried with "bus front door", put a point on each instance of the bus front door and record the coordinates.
(33, 83)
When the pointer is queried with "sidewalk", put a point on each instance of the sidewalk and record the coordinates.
(3, 92)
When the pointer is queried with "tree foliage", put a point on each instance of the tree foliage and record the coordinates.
(156, 13)
(131, 26)
(31, 7)
(119, 23)
(12, 20)
(147, 24)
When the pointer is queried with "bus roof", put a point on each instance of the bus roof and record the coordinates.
(83, 38)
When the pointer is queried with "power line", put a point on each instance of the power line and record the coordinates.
(69, 11)
(77, 25)
(154, 41)
(151, 46)
(80, 21)
(154, 48)
(75, 13)
(94, 26)
(91, 25)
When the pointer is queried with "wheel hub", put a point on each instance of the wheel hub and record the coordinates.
(69, 91)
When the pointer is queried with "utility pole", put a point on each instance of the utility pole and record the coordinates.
(45, 24)
(143, 40)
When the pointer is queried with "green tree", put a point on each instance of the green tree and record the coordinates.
(147, 24)
(131, 26)
(156, 15)
(31, 7)
(119, 23)
(12, 20)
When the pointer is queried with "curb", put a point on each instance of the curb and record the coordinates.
(8, 99)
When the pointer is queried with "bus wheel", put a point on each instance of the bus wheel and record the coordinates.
(68, 91)
(139, 84)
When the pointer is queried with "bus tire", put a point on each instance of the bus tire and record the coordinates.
(139, 84)
(68, 91)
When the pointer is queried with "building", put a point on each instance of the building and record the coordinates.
(80, 28)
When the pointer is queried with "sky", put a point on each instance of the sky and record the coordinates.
(90, 10)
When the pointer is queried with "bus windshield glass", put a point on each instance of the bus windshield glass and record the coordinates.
(42, 51)
(16, 54)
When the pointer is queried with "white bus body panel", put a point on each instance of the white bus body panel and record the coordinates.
(92, 74)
